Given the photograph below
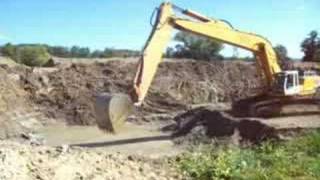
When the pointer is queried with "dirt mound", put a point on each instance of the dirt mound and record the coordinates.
(202, 123)
(67, 93)
(17, 113)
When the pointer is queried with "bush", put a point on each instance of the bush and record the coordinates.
(296, 159)
(8, 50)
(31, 55)
(195, 47)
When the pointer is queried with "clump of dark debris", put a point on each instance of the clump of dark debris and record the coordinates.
(205, 125)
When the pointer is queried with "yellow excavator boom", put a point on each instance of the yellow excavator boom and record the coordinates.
(201, 25)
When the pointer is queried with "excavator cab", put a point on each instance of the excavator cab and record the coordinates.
(287, 83)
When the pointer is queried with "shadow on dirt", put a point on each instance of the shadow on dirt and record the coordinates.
(124, 141)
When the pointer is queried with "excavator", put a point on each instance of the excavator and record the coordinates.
(282, 87)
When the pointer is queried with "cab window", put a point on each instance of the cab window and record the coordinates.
(290, 81)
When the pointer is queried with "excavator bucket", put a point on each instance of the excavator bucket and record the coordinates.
(112, 110)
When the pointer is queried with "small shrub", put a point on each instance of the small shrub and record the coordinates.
(32, 55)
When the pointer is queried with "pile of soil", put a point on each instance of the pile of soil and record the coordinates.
(67, 93)
(204, 123)
(17, 113)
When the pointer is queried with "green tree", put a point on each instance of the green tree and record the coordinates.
(32, 55)
(97, 54)
(108, 52)
(282, 52)
(59, 51)
(8, 50)
(170, 52)
(311, 47)
(74, 51)
(282, 55)
(196, 47)
(84, 52)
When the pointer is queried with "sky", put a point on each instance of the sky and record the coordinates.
(125, 23)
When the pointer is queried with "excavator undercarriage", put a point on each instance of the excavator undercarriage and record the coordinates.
(267, 106)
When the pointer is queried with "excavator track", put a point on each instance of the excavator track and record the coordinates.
(267, 106)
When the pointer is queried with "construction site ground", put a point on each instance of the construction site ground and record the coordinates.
(48, 130)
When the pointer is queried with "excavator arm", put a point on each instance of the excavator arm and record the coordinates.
(167, 21)
(112, 110)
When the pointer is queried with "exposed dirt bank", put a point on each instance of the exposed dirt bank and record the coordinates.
(66, 92)
(31, 97)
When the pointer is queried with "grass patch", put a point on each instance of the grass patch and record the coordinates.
(295, 159)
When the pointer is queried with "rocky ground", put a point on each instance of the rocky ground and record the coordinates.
(40, 162)
(47, 125)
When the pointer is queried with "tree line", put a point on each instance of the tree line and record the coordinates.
(188, 46)
(40, 54)
(72, 52)
(85, 52)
